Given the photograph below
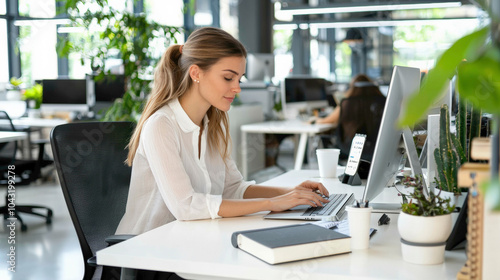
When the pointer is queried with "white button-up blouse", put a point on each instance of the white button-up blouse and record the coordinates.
(169, 181)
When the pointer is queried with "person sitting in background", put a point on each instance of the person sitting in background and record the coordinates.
(359, 112)
(359, 85)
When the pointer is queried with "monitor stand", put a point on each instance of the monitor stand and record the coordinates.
(416, 168)
(390, 208)
(411, 152)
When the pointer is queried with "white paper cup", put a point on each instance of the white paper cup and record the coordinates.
(359, 226)
(328, 160)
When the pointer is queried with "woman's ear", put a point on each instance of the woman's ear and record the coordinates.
(194, 72)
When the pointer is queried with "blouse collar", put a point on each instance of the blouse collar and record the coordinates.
(186, 124)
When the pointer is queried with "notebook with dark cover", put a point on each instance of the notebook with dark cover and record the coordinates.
(291, 243)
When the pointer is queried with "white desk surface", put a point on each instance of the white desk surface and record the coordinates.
(38, 122)
(7, 136)
(202, 250)
(297, 127)
(285, 127)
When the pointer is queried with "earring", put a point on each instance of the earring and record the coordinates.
(196, 81)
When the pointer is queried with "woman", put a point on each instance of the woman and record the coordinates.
(179, 152)
(359, 85)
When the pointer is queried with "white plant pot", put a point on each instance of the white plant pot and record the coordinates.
(455, 199)
(424, 238)
(420, 229)
(34, 113)
(419, 253)
(13, 95)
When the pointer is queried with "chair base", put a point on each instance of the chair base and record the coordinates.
(27, 209)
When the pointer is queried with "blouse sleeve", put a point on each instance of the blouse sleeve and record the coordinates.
(234, 185)
(162, 151)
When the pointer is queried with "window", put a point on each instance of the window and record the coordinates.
(165, 12)
(229, 16)
(37, 46)
(37, 8)
(4, 63)
(419, 46)
(3, 7)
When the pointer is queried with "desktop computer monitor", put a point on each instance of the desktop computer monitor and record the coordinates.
(102, 92)
(68, 95)
(389, 152)
(260, 67)
(109, 88)
(303, 93)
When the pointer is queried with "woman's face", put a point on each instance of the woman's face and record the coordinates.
(220, 84)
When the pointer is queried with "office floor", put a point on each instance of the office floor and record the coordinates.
(52, 252)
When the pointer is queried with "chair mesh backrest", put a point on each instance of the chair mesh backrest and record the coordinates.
(360, 114)
(89, 158)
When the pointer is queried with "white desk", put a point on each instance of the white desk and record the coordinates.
(38, 122)
(7, 136)
(298, 127)
(33, 124)
(202, 249)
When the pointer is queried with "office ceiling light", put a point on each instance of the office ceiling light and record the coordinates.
(368, 7)
(374, 23)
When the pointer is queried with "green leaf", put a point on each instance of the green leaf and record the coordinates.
(479, 81)
(467, 47)
(491, 191)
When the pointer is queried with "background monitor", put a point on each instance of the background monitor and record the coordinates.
(260, 67)
(389, 153)
(109, 88)
(303, 93)
(101, 93)
(64, 95)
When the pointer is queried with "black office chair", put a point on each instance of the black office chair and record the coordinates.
(90, 162)
(26, 171)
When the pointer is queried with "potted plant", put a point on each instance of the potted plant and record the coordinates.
(14, 94)
(424, 223)
(33, 98)
(474, 59)
(449, 156)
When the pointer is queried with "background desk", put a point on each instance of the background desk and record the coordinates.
(7, 136)
(202, 249)
(34, 124)
(297, 127)
(38, 122)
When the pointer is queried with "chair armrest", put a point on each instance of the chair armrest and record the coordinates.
(111, 240)
(114, 239)
(92, 261)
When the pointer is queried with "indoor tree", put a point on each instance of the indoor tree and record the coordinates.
(131, 35)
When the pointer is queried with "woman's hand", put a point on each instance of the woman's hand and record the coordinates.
(307, 193)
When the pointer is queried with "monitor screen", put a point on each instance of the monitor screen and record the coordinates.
(260, 67)
(109, 88)
(388, 152)
(304, 89)
(303, 93)
(64, 91)
(64, 95)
